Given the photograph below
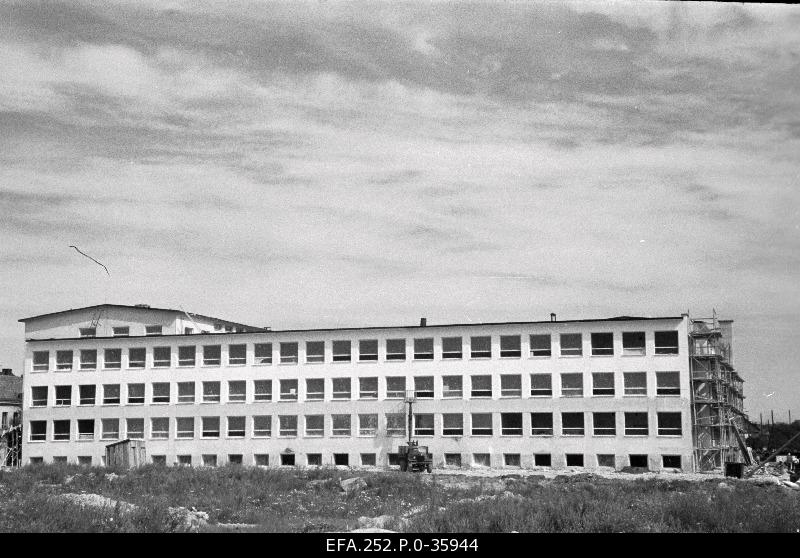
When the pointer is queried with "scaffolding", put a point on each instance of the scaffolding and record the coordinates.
(717, 399)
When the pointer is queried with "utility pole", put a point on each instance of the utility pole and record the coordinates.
(410, 411)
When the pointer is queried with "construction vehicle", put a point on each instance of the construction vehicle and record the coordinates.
(412, 456)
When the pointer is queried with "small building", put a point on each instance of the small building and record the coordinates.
(10, 399)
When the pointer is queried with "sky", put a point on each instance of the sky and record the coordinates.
(329, 164)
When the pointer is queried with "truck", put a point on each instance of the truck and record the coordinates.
(415, 458)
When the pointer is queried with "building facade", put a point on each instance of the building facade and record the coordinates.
(202, 391)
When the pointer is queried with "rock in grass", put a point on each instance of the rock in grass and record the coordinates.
(191, 520)
(379, 522)
(724, 486)
(353, 486)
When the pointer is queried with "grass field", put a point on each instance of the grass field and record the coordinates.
(278, 500)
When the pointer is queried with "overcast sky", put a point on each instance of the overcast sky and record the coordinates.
(346, 164)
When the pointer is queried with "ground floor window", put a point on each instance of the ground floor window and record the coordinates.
(160, 460)
(341, 459)
(393, 459)
(37, 460)
(638, 461)
(262, 460)
(314, 459)
(671, 461)
(606, 460)
(574, 460)
(85, 460)
(542, 460)
(452, 459)
(481, 460)
(512, 460)
(184, 460)
(367, 459)
(235, 459)
(209, 460)
(287, 459)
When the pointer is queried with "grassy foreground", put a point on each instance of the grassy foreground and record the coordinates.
(276, 500)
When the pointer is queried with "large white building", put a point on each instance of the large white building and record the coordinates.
(203, 391)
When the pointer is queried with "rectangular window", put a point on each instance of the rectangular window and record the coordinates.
(288, 390)
(666, 342)
(480, 347)
(288, 425)
(367, 425)
(262, 353)
(395, 349)
(571, 344)
(452, 424)
(289, 353)
(209, 460)
(236, 427)
(368, 349)
(262, 426)
(159, 428)
(315, 425)
(237, 391)
(63, 396)
(112, 359)
(185, 392)
(237, 355)
(633, 343)
(86, 393)
(541, 385)
(88, 359)
(161, 392)
(540, 345)
(512, 460)
(541, 424)
(511, 424)
(211, 392)
(368, 388)
(668, 383)
(452, 386)
(210, 427)
(395, 424)
(183, 460)
(235, 458)
(423, 425)
(135, 394)
(574, 460)
(85, 429)
(262, 460)
(604, 424)
(63, 360)
(542, 460)
(481, 424)
(122, 331)
(423, 387)
(395, 387)
(88, 331)
(111, 394)
(61, 430)
(669, 424)
(110, 429)
(602, 344)
(572, 424)
(41, 361)
(602, 383)
(635, 383)
(187, 355)
(572, 385)
(162, 357)
(134, 428)
(315, 389)
(315, 351)
(137, 357)
(423, 349)
(452, 347)
(341, 388)
(262, 390)
(368, 460)
(38, 429)
(481, 386)
(636, 424)
(606, 460)
(481, 460)
(510, 346)
(39, 396)
(341, 351)
(153, 330)
(212, 355)
(671, 461)
(452, 460)
(511, 385)
(184, 427)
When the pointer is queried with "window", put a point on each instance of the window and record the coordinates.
(668, 383)
(288, 425)
(395, 424)
(314, 459)
(188, 330)
(606, 460)
(110, 429)
(187, 355)
(315, 389)
(185, 427)
(341, 351)
(86, 394)
(395, 349)
(137, 357)
(541, 424)
(638, 461)
(511, 385)
(542, 460)
(38, 429)
(85, 429)
(61, 430)
(666, 342)
(341, 459)
(452, 424)
(262, 353)
(184, 460)
(123, 331)
(452, 460)
(341, 388)
(185, 392)
(262, 460)
(452, 347)
(452, 386)
(540, 345)
(211, 392)
(209, 460)
(153, 330)
(671, 461)
(423, 425)
(511, 424)
(480, 347)
(235, 427)
(237, 355)
(315, 425)
(262, 390)
(37, 460)
(41, 361)
(481, 386)
(315, 351)
(262, 426)
(572, 424)
(423, 387)
(572, 385)
(162, 357)
(602, 383)
(288, 390)
(367, 425)
(510, 346)
(669, 424)
(210, 427)
(636, 424)
(368, 460)
(633, 343)
(161, 392)
(135, 394)
(159, 428)
(602, 344)
(395, 387)
(112, 359)
(423, 349)
(111, 394)
(237, 391)
(368, 388)
(88, 359)
(574, 460)
(571, 344)
(88, 331)
(604, 424)
(63, 360)
(234, 459)
(481, 460)
(541, 385)
(288, 353)
(635, 383)
(39, 396)
(368, 349)
(512, 460)
(134, 428)
(341, 425)
(212, 355)
(481, 424)
(63, 396)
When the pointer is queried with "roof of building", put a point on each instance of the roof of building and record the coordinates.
(10, 388)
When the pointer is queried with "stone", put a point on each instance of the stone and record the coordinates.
(353, 486)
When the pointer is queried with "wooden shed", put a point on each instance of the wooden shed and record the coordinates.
(126, 454)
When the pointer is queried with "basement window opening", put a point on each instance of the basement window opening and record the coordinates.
(574, 460)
